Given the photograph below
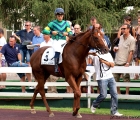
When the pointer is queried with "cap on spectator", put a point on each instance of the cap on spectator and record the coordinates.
(46, 32)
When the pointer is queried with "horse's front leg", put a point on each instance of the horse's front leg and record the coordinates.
(76, 104)
(77, 95)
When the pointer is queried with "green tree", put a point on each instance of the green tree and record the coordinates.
(108, 12)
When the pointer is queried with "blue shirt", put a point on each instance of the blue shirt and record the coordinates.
(37, 40)
(25, 36)
(10, 53)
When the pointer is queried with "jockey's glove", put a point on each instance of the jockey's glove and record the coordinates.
(54, 32)
(65, 33)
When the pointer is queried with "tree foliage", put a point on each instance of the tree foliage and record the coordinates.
(108, 12)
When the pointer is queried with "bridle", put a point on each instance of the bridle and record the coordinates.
(87, 46)
(94, 39)
(97, 51)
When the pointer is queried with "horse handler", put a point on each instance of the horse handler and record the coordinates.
(59, 30)
(105, 79)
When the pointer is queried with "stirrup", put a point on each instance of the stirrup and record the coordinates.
(56, 69)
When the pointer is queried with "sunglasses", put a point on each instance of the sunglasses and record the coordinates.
(123, 28)
(76, 28)
(27, 25)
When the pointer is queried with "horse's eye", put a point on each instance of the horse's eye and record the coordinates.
(95, 38)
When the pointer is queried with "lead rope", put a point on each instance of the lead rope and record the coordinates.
(102, 66)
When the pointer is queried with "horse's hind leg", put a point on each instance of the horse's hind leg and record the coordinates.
(42, 93)
(77, 95)
(33, 99)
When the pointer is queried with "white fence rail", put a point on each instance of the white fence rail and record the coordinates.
(116, 69)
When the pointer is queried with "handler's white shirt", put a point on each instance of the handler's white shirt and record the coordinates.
(2, 43)
(106, 74)
(49, 43)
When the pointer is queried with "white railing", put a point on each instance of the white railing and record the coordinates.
(116, 69)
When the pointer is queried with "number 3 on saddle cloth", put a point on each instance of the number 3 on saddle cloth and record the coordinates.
(48, 57)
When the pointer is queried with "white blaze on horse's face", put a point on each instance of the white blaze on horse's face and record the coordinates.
(104, 42)
(101, 38)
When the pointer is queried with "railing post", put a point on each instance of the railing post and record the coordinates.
(89, 88)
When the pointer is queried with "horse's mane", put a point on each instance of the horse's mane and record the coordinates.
(79, 35)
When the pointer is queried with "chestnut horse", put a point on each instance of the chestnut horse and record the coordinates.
(72, 67)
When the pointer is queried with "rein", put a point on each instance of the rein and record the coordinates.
(87, 45)
(80, 43)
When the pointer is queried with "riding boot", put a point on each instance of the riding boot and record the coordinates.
(56, 60)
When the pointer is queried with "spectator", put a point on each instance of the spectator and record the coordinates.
(13, 57)
(59, 29)
(77, 29)
(71, 27)
(38, 38)
(25, 36)
(49, 42)
(3, 61)
(137, 51)
(105, 80)
(124, 54)
(127, 20)
(93, 21)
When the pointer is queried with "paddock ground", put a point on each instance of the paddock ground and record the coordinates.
(8, 114)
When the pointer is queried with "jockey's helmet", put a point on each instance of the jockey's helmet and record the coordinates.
(59, 11)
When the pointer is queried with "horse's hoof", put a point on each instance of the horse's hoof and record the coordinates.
(74, 113)
(33, 111)
(51, 115)
(78, 115)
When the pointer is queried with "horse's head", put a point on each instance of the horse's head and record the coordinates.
(97, 41)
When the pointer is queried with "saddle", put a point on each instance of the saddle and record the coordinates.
(48, 57)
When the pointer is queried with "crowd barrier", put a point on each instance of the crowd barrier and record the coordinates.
(116, 69)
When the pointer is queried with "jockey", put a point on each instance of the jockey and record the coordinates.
(58, 29)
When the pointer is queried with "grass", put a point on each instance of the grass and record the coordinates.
(102, 111)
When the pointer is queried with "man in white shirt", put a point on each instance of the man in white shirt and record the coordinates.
(3, 61)
(105, 79)
(48, 41)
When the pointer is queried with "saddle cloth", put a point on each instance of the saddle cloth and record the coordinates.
(48, 57)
